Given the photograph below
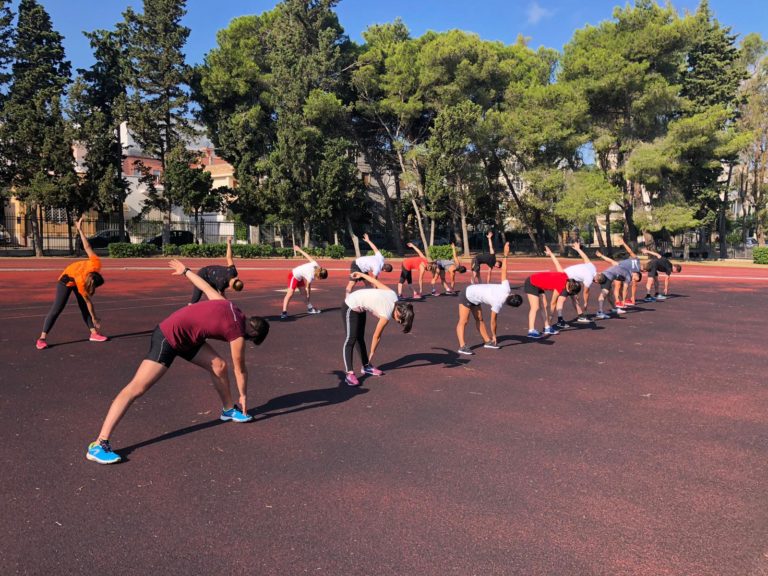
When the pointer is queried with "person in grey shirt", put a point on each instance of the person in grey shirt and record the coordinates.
(606, 279)
(446, 269)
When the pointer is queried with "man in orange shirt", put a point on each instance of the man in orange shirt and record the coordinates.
(419, 263)
(82, 278)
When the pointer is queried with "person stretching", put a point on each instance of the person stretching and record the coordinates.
(219, 277)
(380, 301)
(495, 296)
(487, 259)
(624, 296)
(536, 286)
(584, 273)
(653, 266)
(447, 268)
(371, 265)
(606, 278)
(303, 276)
(82, 278)
(419, 263)
(185, 333)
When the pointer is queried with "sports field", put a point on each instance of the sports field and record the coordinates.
(636, 445)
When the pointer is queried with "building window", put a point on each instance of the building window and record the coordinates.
(56, 215)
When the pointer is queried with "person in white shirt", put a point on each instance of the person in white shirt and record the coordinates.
(584, 273)
(383, 303)
(371, 265)
(302, 276)
(494, 295)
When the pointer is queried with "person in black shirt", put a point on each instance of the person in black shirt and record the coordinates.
(653, 266)
(487, 259)
(219, 277)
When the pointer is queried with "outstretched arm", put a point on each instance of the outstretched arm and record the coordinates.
(628, 249)
(230, 262)
(650, 252)
(455, 255)
(415, 248)
(307, 256)
(490, 242)
(576, 246)
(180, 270)
(549, 253)
(504, 263)
(371, 244)
(375, 282)
(83, 239)
(604, 257)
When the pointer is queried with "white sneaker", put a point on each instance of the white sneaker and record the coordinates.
(602, 316)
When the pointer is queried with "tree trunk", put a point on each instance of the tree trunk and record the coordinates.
(523, 214)
(392, 215)
(70, 239)
(420, 194)
(464, 231)
(37, 235)
(307, 229)
(599, 233)
(120, 185)
(722, 217)
(630, 230)
(353, 236)
(608, 242)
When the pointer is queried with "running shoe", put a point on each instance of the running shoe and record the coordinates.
(101, 452)
(449, 292)
(534, 334)
(561, 324)
(620, 303)
(551, 331)
(371, 371)
(602, 316)
(311, 310)
(235, 415)
(351, 379)
(417, 294)
(96, 337)
(41, 344)
(400, 297)
(649, 298)
(630, 302)
(284, 316)
(618, 311)
(465, 350)
(583, 320)
(434, 292)
(492, 345)
(660, 297)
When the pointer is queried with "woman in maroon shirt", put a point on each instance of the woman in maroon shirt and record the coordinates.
(537, 285)
(184, 333)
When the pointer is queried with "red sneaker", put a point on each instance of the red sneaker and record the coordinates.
(41, 344)
(619, 303)
(96, 337)
(630, 302)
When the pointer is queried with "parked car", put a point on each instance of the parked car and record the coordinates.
(5, 236)
(178, 238)
(104, 238)
(751, 242)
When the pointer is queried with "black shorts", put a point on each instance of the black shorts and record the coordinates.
(465, 301)
(606, 285)
(160, 350)
(405, 276)
(355, 268)
(529, 288)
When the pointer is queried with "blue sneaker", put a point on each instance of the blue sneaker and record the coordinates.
(649, 299)
(534, 334)
(101, 452)
(551, 331)
(235, 415)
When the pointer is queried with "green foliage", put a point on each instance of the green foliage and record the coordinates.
(253, 250)
(588, 194)
(670, 217)
(760, 255)
(440, 253)
(335, 251)
(171, 250)
(128, 250)
(284, 252)
(384, 252)
(203, 250)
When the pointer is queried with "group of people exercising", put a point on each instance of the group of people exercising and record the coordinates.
(185, 332)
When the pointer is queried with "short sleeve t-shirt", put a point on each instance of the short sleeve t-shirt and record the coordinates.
(584, 273)
(218, 276)
(380, 303)
(371, 264)
(630, 264)
(487, 259)
(663, 265)
(494, 295)
(549, 280)
(305, 272)
(445, 264)
(77, 272)
(617, 273)
(190, 327)
(414, 263)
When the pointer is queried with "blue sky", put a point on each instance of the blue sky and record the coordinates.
(548, 23)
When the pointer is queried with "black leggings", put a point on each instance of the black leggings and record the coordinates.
(354, 322)
(62, 295)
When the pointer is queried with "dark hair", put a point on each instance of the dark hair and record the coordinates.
(461, 269)
(677, 268)
(387, 267)
(323, 274)
(514, 300)
(600, 278)
(573, 286)
(93, 281)
(237, 285)
(497, 264)
(405, 311)
(432, 267)
(639, 275)
(256, 329)
(646, 265)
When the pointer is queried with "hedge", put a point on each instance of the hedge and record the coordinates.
(440, 253)
(128, 250)
(760, 255)
(384, 252)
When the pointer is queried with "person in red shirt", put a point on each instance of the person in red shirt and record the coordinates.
(82, 278)
(537, 285)
(419, 263)
(184, 333)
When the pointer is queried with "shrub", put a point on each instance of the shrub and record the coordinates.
(759, 255)
(171, 250)
(440, 253)
(284, 252)
(335, 251)
(203, 250)
(252, 250)
(384, 252)
(128, 250)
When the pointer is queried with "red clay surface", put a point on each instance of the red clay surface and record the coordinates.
(635, 446)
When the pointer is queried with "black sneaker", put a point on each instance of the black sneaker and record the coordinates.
(465, 350)
(561, 324)
(492, 345)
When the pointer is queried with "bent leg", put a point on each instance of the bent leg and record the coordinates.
(462, 324)
(59, 301)
(533, 302)
(477, 312)
(209, 360)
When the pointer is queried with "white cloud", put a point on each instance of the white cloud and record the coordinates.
(537, 13)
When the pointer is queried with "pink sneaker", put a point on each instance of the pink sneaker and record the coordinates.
(351, 379)
(371, 371)
(417, 295)
(96, 337)
(41, 344)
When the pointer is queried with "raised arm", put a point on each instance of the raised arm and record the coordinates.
(180, 270)
(371, 244)
(650, 252)
(83, 239)
(230, 262)
(370, 279)
(455, 255)
(490, 242)
(503, 262)
(307, 256)
(549, 253)
(628, 249)
(576, 246)
(416, 249)
(611, 261)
